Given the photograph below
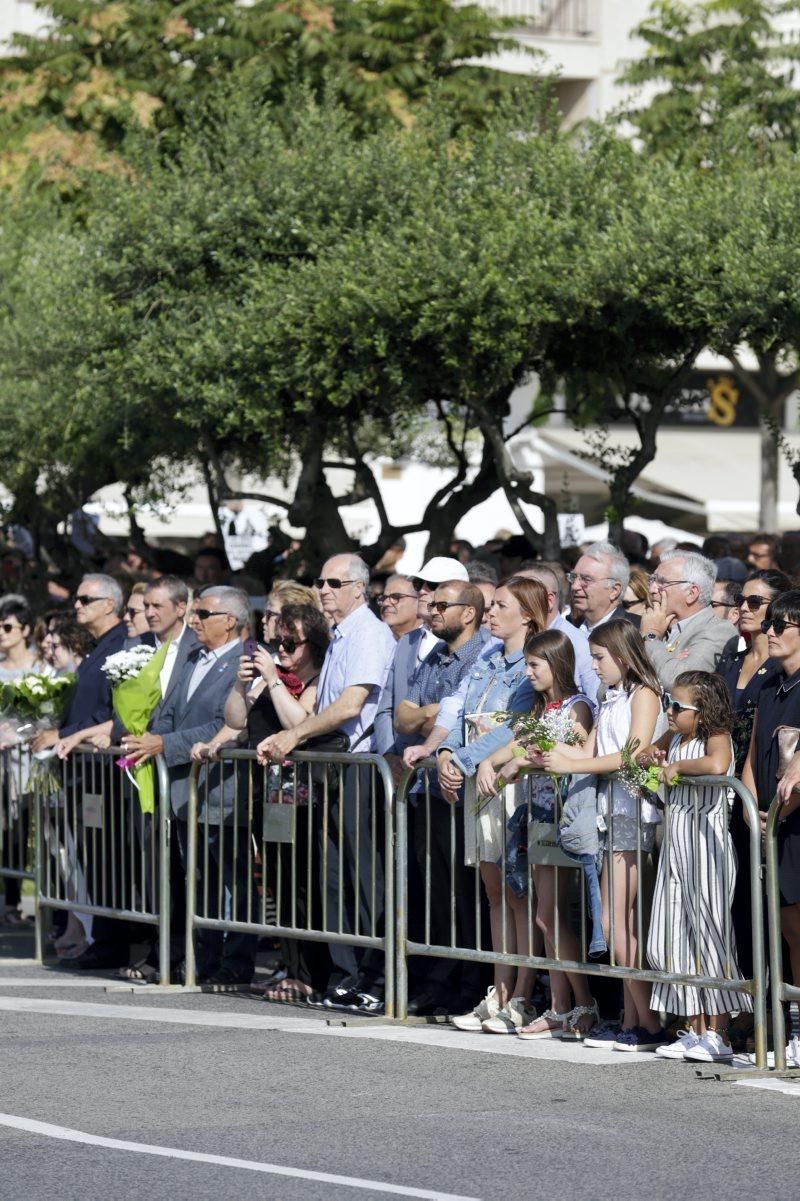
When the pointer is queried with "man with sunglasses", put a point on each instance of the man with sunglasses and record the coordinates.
(682, 631)
(353, 673)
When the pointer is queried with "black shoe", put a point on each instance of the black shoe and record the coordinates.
(340, 996)
(98, 958)
(228, 977)
(428, 1002)
(365, 1002)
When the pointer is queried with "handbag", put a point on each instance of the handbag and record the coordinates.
(543, 846)
(788, 738)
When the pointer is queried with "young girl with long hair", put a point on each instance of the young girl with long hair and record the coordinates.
(550, 667)
(688, 921)
(629, 713)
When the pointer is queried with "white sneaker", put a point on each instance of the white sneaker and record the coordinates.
(711, 1048)
(684, 1042)
(793, 1053)
(485, 1009)
(516, 1014)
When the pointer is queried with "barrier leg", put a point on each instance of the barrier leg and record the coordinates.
(38, 860)
(191, 886)
(165, 898)
(775, 944)
(383, 785)
(401, 908)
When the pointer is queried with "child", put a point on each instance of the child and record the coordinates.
(687, 926)
(631, 710)
(550, 668)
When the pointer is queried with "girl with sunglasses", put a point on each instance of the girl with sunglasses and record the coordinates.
(779, 705)
(629, 712)
(687, 923)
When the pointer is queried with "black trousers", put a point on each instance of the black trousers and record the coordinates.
(225, 880)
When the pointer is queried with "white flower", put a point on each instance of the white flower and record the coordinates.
(126, 665)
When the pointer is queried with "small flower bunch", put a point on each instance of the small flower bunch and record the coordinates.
(35, 697)
(642, 782)
(544, 732)
(126, 665)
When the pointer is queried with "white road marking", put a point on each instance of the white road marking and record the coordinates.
(790, 1087)
(51, 982)
(426, 1036)
(224, 1161)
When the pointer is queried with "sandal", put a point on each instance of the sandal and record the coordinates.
(72, 950)
(142, 973)
(573, 1032)
(288, 992)
(548, 1025)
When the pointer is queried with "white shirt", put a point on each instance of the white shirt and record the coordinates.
(168, 666)
(426, 644)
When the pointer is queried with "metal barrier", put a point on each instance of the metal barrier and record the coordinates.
(96, 852)
(450, 839)
(17, 824)
(320, 830)
(781, 990)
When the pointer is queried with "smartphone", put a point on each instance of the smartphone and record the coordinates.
(250, 647)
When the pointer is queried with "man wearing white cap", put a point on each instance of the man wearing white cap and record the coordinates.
(411, 650)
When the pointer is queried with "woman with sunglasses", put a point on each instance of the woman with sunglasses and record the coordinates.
(267, 698)
(134, 614)
(767, 758)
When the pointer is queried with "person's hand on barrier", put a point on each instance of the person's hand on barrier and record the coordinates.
(100, 742)
(449, 775)
(486, 777)
(44, 740)
(200, 752)
(65, 746)
(141, 747)
(789, 781)
(395, 767)
(264, 665)
(450, 795)
(413, 755)
(669, 773)
(276, 747)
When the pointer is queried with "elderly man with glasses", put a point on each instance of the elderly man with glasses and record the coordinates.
(598, 585)
(353, 673)
(682, 631)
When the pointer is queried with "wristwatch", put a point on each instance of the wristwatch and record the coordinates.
(649, 637)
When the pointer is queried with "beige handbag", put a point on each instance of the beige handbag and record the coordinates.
(788, 737)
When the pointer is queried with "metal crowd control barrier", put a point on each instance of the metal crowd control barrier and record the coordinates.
(319, 830)
(781, 990)
(452, 845)
(96, 852)
(18, 825)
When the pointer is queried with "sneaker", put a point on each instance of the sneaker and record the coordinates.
(341, 996)
(711, 1048)
(602, 1035)
(516, 1014)
(473, 1021)
(684, 1042)
(639, 1039)
(364, 1002)
(793, 1053)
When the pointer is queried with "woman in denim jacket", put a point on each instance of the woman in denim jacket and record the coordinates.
(497, 684)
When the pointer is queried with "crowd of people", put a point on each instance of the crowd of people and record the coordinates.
(686, 659)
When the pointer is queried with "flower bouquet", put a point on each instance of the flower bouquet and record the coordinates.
(32, 703)
(135, 693)
(642, 782)
(544, 732)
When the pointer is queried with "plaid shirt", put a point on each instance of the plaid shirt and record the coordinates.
(441, 673)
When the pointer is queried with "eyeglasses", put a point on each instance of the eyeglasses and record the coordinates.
(778, 624)
(85, 599)
(574, 577)
(723, 604)
(629, 604)
(395, 597)
(677, 707)
(204, 614)
(8, 626)
(271, 613)
(660, 582)
(290, 645)
(332, 582)
(442, 606)
(753, 602)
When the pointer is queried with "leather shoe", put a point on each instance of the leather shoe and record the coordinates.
(227, 976)
(98, 958)
(427, 1003)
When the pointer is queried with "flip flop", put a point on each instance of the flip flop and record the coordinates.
(141, 973)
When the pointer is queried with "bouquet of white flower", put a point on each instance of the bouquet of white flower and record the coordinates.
(126, 665)
(32, 703)
(550, 728)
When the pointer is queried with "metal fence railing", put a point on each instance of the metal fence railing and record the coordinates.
(17, 823)
(781, 990)
(515, 938)
(559, 18)
(318, 833)
(96, 852)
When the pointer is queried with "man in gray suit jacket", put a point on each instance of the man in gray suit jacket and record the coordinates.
(192, 713)
(682, 632)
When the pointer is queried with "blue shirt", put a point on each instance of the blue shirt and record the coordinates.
(585, 676)
(91, 701)
(496, 683)
(360, 653)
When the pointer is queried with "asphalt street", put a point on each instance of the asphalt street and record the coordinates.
(364, 1109)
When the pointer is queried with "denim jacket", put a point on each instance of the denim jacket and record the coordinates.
(496, 683)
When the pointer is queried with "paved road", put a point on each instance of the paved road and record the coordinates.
(421, 1109)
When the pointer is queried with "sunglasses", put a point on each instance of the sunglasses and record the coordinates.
(133, 612)
(417, 583)
(290, 645)
(8, 626)
(629, 604)
(270, 613)
(396, 597)
(204, 614)
(753, 602)
(88, 600)
(778, 624)
(443, 606)
(332, 582)
(671, 706)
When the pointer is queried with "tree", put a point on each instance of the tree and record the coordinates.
(71, 95)
(728, 104)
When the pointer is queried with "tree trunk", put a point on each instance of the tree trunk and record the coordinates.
(768, 499)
